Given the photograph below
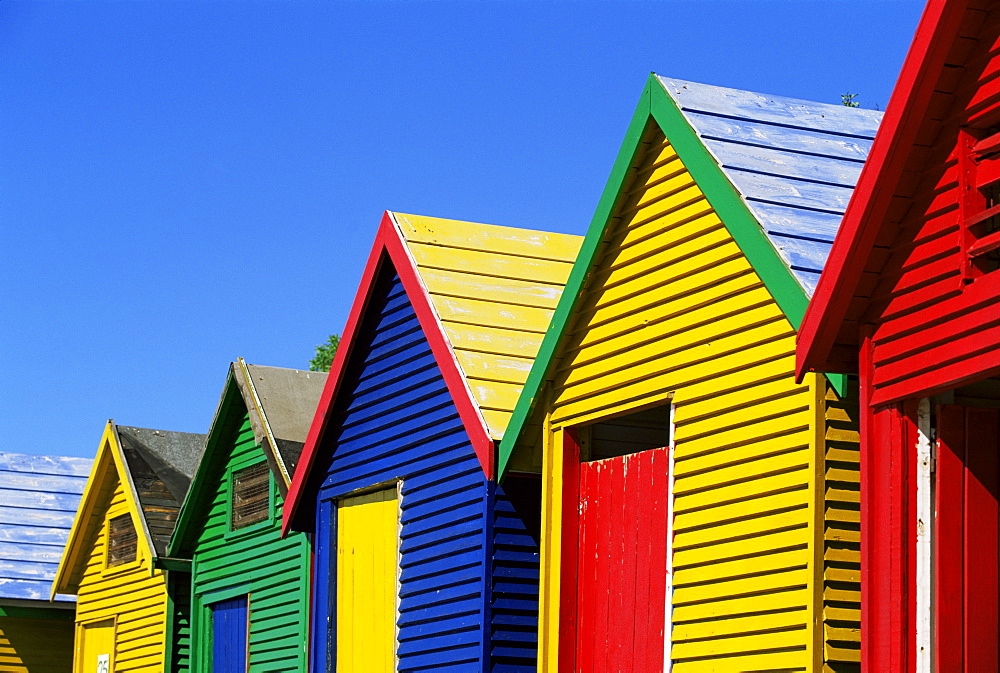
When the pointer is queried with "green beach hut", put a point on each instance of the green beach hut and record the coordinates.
(248, 603)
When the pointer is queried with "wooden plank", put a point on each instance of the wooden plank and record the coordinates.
(503, 290)
(620, 542)
(490, 264)
(783, 477)
(956, 349)
(489, 339)
(776, 560)
(943, 378)
(490, 367)
(21, 463)
(734, 279)
(982, 540)
(680, 344)
(817, 118)
(481, 312)
(950, 545)
(787, 620)
(740, 546)
(477, 237)
(616, 389)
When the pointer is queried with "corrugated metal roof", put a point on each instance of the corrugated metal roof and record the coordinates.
(794, 162)
(494, 290)
(39, 496)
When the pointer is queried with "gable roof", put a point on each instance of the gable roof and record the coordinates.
(155, 468)
(38, 497)
(280, 403)
(778, 171)
(941, 39)
(793, 162)
(483, 295)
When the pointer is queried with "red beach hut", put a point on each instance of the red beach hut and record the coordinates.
(910, 302)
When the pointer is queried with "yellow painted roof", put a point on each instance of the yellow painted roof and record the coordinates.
(494, 290)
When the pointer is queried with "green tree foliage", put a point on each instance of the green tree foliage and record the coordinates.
(848, 99)
(324, 354)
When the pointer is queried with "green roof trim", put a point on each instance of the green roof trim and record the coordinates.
(230, 404)
(572, 293)
(657, 105)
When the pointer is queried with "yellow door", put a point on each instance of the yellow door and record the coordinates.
(367, 551)
(97, 652)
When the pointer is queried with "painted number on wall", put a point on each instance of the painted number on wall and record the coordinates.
(103, 663)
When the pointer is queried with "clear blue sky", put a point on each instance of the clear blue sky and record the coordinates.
(184, 182)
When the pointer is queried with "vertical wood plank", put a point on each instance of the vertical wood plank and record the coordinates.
(570, 531)
(949, 540)
(658, 527)
(981, 541)
(622, 563)
(583, 597)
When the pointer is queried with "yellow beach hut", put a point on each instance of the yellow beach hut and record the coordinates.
(114, 561)
(700, 508)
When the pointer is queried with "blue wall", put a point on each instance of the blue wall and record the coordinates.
(515, 569)
(395, 420)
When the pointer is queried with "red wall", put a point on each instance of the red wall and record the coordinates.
(933, 328)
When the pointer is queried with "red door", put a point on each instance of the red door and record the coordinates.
(966, 540)
(621, 563)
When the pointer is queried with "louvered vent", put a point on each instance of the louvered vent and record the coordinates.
(122, 540)
(251, 497)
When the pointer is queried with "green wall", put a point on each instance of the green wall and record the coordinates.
(254, 560)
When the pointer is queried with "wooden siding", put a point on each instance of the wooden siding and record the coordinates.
(39, 496)
(794, 162)
(254, 561)
(178, 622)
(674, 307)
(134, 595)
(842, 531)
(494, 289)
(35, 645)
(395, 421)
(933, 329)
(515, 566)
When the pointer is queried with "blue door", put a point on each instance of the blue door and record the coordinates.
(229, 636)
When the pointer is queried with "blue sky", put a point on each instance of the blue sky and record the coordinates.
(184, 182)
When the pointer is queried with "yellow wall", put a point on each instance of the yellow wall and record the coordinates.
(673, 307)
(130, 594)
(35, 645)
(842, 537)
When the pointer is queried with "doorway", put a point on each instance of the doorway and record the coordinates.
(97, 652)
(230, 619)
(619, 568)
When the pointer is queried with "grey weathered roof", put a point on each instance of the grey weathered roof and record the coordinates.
(794, 162)
(161, 465)
(288, 398)
(39, 496)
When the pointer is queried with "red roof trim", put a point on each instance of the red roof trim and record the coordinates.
(454, 378)
(865, 213)
(388, 248)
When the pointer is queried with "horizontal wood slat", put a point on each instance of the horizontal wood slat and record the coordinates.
(674, 306)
